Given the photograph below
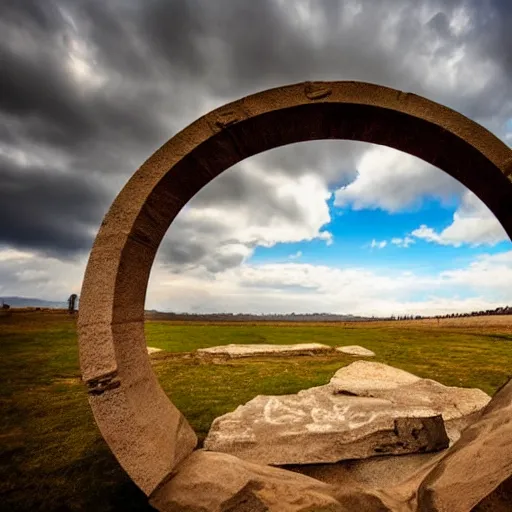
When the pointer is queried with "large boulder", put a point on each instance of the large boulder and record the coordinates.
(458, 406)
(263, 349)
(364, 377)
(217, 482)
(477, 470)
(367, 409)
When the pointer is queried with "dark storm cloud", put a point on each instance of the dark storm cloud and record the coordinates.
(47, 211)
(58, 108)
(239, 189)
(191, 243)
(37, 90)
(182, 252)
(335, 161)
(496, 27)
(31, 13)
(152, 67)
(244, 190)
(242, 47)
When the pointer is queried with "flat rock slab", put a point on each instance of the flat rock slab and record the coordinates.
(367, 409)
(234, 350)
(356, 350)
(154, 350)
(316, 426)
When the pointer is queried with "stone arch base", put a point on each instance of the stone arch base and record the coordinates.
(147, 434)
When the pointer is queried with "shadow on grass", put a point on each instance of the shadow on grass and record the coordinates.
(95, 482)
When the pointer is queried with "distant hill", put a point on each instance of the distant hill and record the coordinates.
(230, 317)
(306, 317)
(26, 302)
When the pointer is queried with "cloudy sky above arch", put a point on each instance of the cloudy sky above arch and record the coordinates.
(92, 88)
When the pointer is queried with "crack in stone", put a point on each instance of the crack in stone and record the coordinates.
(107, 382)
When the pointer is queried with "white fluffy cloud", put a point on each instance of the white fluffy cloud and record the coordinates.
(473, 223)
(484, 284)
(308, 194)
(403, 242)
(393, 181)
(248, 206)
(27, 274)
(488, 273)
(378, 245)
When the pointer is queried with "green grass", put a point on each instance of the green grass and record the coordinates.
(52, 456)
(455, 357)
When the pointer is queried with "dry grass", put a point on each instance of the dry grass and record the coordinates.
(501, 323)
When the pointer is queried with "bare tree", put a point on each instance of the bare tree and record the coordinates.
(72, 303)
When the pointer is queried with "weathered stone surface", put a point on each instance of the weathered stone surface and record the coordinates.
(476, 469)
(360, 377)
(475, 474)
(316, 425)
(215, 482)
(367, 409)
(356, 350)
(458, 406)
(382, 472)
(234, 350)
(154, 350)
(149, 434)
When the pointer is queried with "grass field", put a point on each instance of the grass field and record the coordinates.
(53, 458)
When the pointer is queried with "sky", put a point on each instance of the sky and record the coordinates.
(90, 89)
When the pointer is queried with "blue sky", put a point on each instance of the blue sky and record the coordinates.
(353, 232)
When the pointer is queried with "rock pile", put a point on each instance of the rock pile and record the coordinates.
(474, 474)
(367, 409)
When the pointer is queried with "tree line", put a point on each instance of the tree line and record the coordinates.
(504, 310)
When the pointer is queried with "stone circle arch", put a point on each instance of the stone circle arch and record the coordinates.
(145, 431)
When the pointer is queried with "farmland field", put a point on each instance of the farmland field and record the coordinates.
(53, 458)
